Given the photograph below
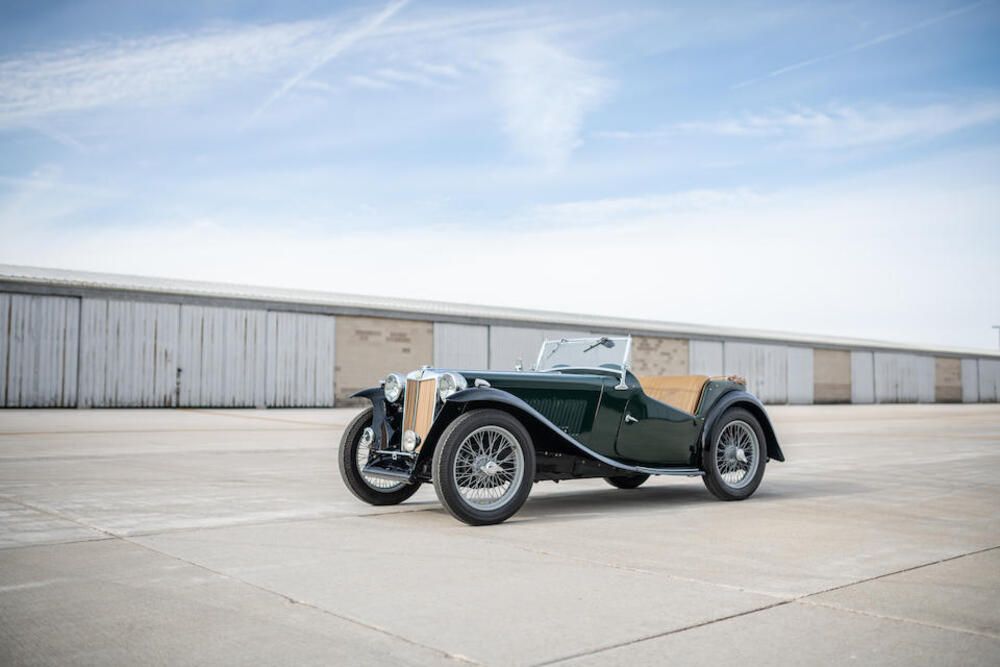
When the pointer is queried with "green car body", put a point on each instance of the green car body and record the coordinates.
(577, 420)
(483, 438)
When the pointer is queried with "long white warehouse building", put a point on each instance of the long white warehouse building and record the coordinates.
(72, 339)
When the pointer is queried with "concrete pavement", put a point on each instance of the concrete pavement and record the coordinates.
(226, 537)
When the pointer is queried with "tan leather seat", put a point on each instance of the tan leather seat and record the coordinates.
(681, 391)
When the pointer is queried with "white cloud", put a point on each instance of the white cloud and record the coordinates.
(152, 69)
(337, 46)
(545, 93)
(909, 256)
(836, 127)
(861, 46)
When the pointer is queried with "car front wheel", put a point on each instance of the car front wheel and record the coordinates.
(353, 459)
(484, 467)
(735, 459)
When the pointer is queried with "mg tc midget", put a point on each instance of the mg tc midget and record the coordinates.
(483, 438)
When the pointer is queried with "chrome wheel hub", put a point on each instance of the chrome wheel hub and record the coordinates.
(489, 467)
(737, 454)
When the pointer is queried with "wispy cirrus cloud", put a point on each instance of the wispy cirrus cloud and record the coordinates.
(516, 58)
(343, 41)
(147, 70)
(861, 46)
(836, 127)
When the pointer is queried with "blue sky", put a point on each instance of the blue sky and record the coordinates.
(830, 168)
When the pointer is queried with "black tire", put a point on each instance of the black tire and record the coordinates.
(351, 473)
(627, 481)
(713, 477)
(447, 451)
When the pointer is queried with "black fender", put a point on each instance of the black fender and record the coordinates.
(537, 423)
(383, 430)
(748, 401)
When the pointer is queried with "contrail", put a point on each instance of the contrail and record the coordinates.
(862, 45)
(342, 42)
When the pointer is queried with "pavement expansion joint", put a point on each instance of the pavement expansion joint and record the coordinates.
(801, 599)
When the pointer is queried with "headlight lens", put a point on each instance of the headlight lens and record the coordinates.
(393, 387)
(410, 441)
(449, 383)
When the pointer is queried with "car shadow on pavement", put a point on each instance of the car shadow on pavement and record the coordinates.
(571, 505)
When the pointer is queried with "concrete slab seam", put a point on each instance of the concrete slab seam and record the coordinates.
(291, 600)
(782, 603)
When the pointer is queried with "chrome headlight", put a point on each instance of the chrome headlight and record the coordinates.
(409, 441)
(393, 386)
(449, 383)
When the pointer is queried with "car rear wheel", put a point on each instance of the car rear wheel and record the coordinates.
(484, 467)
(627, 481)
(354, 457)
(736, 456)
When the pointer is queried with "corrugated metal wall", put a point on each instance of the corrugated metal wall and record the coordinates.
(764, 366)
(128, 353)
(862, 377)
(64, 351)
(300, 360)
(800, 375)
(903, 378)
(989, 380)
(461, 346)
(706, 357)
(222, 357)
(39, 336)
(970, 381)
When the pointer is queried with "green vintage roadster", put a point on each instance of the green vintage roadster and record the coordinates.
(484, 437)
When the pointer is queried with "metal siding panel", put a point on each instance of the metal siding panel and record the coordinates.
(970, 381)
(508, 344)
(222, 357)
(925, 379)
(862, 377)
(300, 360)
(903, 378)
(5, 346)
(800, 375)
(128, 353)
(989, 381)
(462, 346)
(39, 350)
(706, 357)
(764, 366)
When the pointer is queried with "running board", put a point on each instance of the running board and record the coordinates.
(680, 472)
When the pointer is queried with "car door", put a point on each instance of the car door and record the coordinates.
(656, 434)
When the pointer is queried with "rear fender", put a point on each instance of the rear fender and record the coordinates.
(753, 405)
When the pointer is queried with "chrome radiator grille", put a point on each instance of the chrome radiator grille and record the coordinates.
(418, 406)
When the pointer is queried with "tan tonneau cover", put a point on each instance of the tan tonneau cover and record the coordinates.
(680, 391)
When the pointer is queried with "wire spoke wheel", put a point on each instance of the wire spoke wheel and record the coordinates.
(489, 467)
(737, 454)
(353, 456)
(376, 483)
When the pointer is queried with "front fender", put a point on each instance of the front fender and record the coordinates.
(750, 402)
(384, 431)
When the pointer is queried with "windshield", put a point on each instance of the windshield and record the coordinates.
(596, 352)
